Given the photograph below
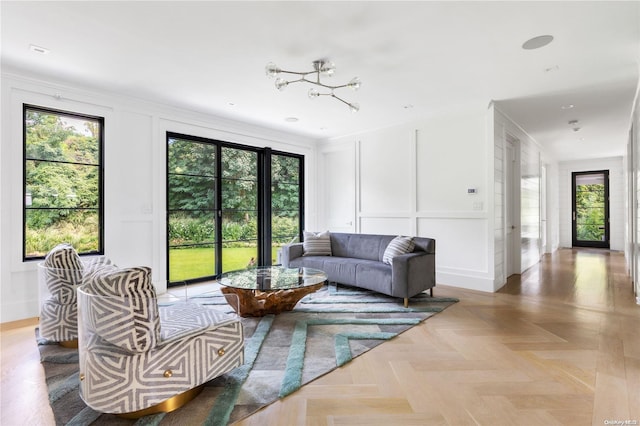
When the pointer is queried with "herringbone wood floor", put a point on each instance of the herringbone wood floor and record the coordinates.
(558, 345)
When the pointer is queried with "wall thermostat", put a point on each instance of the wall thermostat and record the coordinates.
(472, 191)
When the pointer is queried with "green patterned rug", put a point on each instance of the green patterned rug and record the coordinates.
(326, 330)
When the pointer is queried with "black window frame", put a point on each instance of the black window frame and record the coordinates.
(264, 200)
(82, 116)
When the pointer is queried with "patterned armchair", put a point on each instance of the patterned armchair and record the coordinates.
(59, 276)
(139, 358)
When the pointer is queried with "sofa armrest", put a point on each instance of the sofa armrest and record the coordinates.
(413, 273)
(290, 252)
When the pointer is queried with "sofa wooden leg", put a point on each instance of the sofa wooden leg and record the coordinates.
(406, 302)
(431, 291)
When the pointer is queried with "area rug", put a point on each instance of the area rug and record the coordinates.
(283, 352)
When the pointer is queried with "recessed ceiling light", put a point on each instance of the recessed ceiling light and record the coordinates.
(38, 49)
(291, 119)
(569, 106)
(407, 106)
(231, 104)
(537, 42)
(552, 69)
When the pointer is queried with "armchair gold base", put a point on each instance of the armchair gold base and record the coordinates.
(70, 344)
(167, 406)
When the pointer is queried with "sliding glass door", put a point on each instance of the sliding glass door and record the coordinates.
(191, 209)
(239, 200)
(286, 201)
(229, 206)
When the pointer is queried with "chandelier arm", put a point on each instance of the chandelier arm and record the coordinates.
(333, 95)
(297, 73)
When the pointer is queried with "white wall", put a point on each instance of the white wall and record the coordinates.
(617, 218)
(413, 179)
(134, 162)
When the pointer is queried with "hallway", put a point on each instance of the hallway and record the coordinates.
(557, 345)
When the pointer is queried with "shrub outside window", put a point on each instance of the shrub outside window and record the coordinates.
(63, 178)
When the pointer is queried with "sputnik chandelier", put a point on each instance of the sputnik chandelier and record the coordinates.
(323, 67)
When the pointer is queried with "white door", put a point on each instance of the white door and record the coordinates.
(337, 175)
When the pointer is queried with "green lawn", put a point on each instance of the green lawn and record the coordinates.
(185, 264)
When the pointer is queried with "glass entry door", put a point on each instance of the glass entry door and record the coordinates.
(590, 217)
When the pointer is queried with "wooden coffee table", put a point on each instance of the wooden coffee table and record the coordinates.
(269, 290)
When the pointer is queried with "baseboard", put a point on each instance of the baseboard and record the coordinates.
(466, 281)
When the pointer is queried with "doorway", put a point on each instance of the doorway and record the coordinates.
(512, 206)
(590, 207)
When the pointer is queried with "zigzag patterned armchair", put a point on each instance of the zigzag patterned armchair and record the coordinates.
(138, 358)
(59, 276)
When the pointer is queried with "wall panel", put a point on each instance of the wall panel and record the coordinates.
(385, 172)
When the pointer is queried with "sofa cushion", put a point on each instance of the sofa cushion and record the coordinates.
(398, 246)
(316, 244)
(374, 275)
(340, 269)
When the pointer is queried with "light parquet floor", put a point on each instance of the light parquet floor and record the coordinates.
(558, 345)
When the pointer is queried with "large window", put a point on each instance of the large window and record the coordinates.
(62, 181)
(229, 206)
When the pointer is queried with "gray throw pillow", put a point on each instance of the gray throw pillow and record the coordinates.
(316, 244)
(399, 245)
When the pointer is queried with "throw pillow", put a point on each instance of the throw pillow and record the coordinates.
(316, 244)
(399, 245)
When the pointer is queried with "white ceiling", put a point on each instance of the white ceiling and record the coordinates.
(433, 56)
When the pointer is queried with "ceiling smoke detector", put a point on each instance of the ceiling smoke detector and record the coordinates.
(537, 42)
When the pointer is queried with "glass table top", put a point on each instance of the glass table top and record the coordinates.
(271, 278)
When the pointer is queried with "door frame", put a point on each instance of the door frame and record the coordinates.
(574, 240)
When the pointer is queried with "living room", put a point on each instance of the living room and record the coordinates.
(429, 171)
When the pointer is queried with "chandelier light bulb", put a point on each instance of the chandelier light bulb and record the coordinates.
(271, 70)
(354, 107)
(327, 68)
(355, 83)
(281, 83)
(313, 93)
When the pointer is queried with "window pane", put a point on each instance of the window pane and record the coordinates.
(285, 169)
(191, 158)
(191, 262)
(239, 194)
(192, 227)
(285, 196)
(235, 256)
(188, 192)
(285, 225)
(59, 137)
(45, 228)
(239, 164)
(62, 185)
(239, 225)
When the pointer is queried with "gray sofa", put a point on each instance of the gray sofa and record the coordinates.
(356, 260)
